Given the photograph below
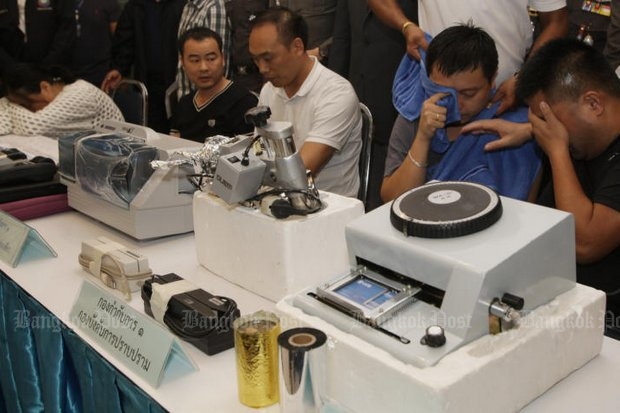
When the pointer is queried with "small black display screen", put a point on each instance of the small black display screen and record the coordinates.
(366, 292)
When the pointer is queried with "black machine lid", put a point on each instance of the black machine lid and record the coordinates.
(445, 210)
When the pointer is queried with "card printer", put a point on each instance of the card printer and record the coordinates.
(109, 176)
(420, 296)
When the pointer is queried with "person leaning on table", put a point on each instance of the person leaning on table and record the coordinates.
(49, 101)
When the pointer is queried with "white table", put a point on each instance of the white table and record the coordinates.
(55, 283)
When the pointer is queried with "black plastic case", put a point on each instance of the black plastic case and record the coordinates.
(196, 316)
(21, 178)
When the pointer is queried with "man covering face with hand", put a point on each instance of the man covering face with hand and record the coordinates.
(574, 100)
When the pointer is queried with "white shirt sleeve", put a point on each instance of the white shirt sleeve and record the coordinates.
(547, 5)
(335, 119)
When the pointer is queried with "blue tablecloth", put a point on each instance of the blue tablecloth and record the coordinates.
(46, 366)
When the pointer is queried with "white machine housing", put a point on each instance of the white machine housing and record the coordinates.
(164, 204)
(529, 253)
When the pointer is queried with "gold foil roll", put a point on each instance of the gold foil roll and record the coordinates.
(256, 346)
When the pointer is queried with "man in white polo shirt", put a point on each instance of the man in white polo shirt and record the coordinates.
(321, 105)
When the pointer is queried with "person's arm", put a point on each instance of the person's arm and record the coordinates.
(315, 156)
(390, 13)
(597, 227)
(410, 174)
(111, 80)
(510, 134)
(412, 171)
(334, 120)
(554, 25)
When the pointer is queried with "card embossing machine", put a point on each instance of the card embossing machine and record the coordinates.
(443, 265)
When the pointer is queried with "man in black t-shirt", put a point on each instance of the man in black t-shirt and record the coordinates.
(218, 105)
(574, 100)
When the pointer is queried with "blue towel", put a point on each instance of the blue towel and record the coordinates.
(412, 87)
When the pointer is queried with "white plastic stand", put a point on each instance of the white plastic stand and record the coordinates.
(495, 373)
(268, 256)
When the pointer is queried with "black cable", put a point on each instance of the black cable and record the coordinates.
(245, 159)
(289, 208)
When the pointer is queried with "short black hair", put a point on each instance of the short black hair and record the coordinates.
(563, 69)
(289, 24)
(26, 78)
(460, 48)
(199, 33)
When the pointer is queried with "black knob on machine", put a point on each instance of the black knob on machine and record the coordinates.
(513, 301)
(257, 116)
(434, 337)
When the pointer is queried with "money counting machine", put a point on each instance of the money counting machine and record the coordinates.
(109, 176)
(443, 265)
